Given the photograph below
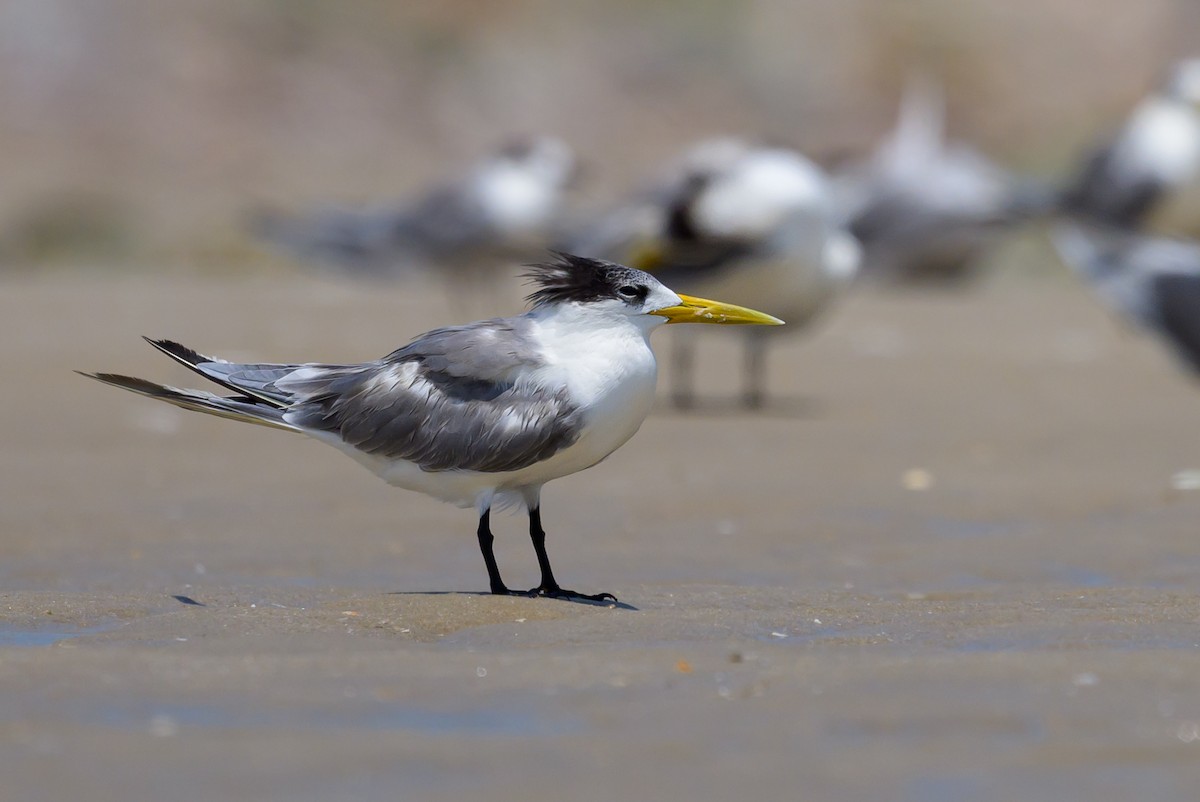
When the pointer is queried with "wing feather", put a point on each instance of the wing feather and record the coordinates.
(454, 399)
(1179, 311)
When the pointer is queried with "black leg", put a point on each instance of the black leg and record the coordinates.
(489, 558)
(550, 586)
(538, 536)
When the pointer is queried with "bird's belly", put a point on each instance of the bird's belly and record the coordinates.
(461, 488)
(610, 423)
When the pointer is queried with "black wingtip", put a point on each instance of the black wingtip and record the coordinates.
(112, 378)
(178, 351)
(127, 382)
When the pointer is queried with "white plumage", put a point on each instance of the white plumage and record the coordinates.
(1147, 177)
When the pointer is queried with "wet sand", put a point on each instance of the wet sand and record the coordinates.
(956, 559)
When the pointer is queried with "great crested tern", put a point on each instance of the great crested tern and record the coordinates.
(927, 210)
(1153, 281)
(755, 224)
(637, 222)
(1147, 176)
(482, 414)
(502, 209)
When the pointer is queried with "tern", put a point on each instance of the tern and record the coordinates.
(482, 414)
(754, 224)
(1147, 177)
(502, 209)
(1152, 281)
(928, 210)
(627, 230)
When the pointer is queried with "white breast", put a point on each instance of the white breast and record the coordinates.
(764, 189)
(516, 200)
(1162, 141)
(610, 373)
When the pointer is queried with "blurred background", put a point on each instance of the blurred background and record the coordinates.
(137, 133)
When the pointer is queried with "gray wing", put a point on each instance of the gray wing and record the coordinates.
(1154, 281)
(1178, 303)
(361, 239)
(1118, 266)
(1104, 193)
(256, 381)
(450, 400)
(444, 220)
(448, 219)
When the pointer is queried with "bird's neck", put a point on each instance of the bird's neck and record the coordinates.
(594, 351)
(573, 321)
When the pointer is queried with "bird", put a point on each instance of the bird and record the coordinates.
(637, 221)
(749, 222)
(502, 210)
(927, 211)
(480, 415)
(1147, 176)
(1154, 282)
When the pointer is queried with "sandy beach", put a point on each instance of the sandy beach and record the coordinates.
(955, 559)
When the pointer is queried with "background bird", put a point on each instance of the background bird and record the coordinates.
(483, 414)
(924, 209)
(636, 224)
(1147, 176)
(502, 211)
(752, 223)
(1152, 281)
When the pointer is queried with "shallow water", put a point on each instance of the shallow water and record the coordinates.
(33, 637)
(44, 635)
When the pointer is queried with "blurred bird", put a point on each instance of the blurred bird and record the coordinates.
(1153, 281)
(637, 224)
(482, 414)
(1147, 177)
(926, 210)
(501, 210)
(752, 222)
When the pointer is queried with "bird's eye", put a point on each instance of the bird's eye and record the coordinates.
(628, 291)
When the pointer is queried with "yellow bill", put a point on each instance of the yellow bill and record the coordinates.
(701, 310)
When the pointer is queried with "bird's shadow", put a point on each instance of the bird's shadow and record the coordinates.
(785, 408)
(620, 605)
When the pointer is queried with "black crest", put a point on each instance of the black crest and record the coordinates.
(582, 279)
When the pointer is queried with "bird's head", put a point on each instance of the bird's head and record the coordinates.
(619, 290)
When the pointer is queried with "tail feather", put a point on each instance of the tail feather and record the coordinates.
(243, 408)
(249, 380)
(180, 353)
